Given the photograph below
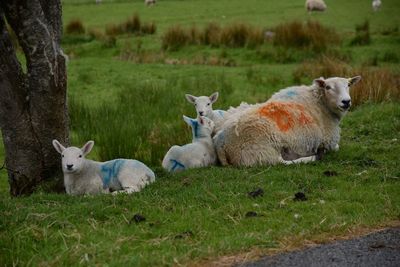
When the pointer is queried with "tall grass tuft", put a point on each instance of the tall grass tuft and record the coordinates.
(145, 121)
(132, 25)
(234, 35)
(377, 84)
(174, 38)
(362, 36)
(75, 27)
(310, 35)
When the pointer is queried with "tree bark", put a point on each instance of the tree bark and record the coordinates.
(33, 106)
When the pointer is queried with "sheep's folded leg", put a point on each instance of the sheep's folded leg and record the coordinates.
(299, 160)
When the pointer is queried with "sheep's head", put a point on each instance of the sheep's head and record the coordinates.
(203, 104)
(72, 158)
(201, 127)
(336, 92)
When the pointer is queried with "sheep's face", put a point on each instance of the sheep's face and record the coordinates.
(73, 158)
(201, 127)
(337, 92)
(203, 104)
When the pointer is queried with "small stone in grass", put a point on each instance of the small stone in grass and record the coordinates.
(184, 234)
(300, 196)
(251, 214)
(256, 193)
(137, 218)
(330, 173)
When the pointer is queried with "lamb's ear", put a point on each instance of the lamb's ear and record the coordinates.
(59, 147)
(214, 97)
(320, 82)
(191, 98)
(187, 120)
(87, 147)
(354, 80)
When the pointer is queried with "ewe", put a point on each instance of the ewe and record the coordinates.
(289, 128)
(376, 4)
(83, 176)
(203, 105)
(150, 2)
(315, 5)
(199, 153)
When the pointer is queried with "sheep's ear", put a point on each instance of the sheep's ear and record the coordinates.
(59, 147)
(214, 97)
(320, 82)
(187, 120)
(191, 98)
(87, 147)
(354, 80)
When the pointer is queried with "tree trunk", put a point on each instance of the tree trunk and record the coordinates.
(33, 106)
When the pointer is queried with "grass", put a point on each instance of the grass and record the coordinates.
(127, 94)
(190, 217)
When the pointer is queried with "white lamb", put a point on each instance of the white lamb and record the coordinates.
(150, 2)
(203, 105)
(199, 153)
(291, 127)
(83, 176)
(315, 5)
(376, 4)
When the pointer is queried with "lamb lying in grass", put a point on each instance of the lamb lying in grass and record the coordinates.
(315, 5)
(295, 123)
(203, 105)
(199, 153)
(83, 176)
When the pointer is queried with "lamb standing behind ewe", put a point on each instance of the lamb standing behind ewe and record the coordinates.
(83, 176)
(315, 5)
(203, 105)
(199, 153)
(295, 121)
(376, 4)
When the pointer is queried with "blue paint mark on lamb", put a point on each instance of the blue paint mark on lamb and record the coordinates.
(110, 170)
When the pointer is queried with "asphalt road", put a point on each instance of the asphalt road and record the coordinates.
(377, 249)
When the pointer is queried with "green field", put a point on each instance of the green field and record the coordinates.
(126, 95)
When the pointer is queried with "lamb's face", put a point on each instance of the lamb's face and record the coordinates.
(207, 125)
(201, 127)
(72, 158)
(337, 93)
(203, 104)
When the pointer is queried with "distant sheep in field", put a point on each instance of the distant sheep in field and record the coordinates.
(376, 4)
(199, 153)
(83, 176)
(98, 2)
(291, 127)
(203, 105)
(150, 2)
(315, 5)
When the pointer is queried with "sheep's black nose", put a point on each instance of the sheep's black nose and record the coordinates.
(69, 166)
(201, 113)
(346, 103)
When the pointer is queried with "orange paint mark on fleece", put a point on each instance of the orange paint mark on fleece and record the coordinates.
(285, 115)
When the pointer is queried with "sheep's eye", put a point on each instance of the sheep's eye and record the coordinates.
(328, 87)
(195, 105)
(208, 104)
(80, 156)
(62, 155)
